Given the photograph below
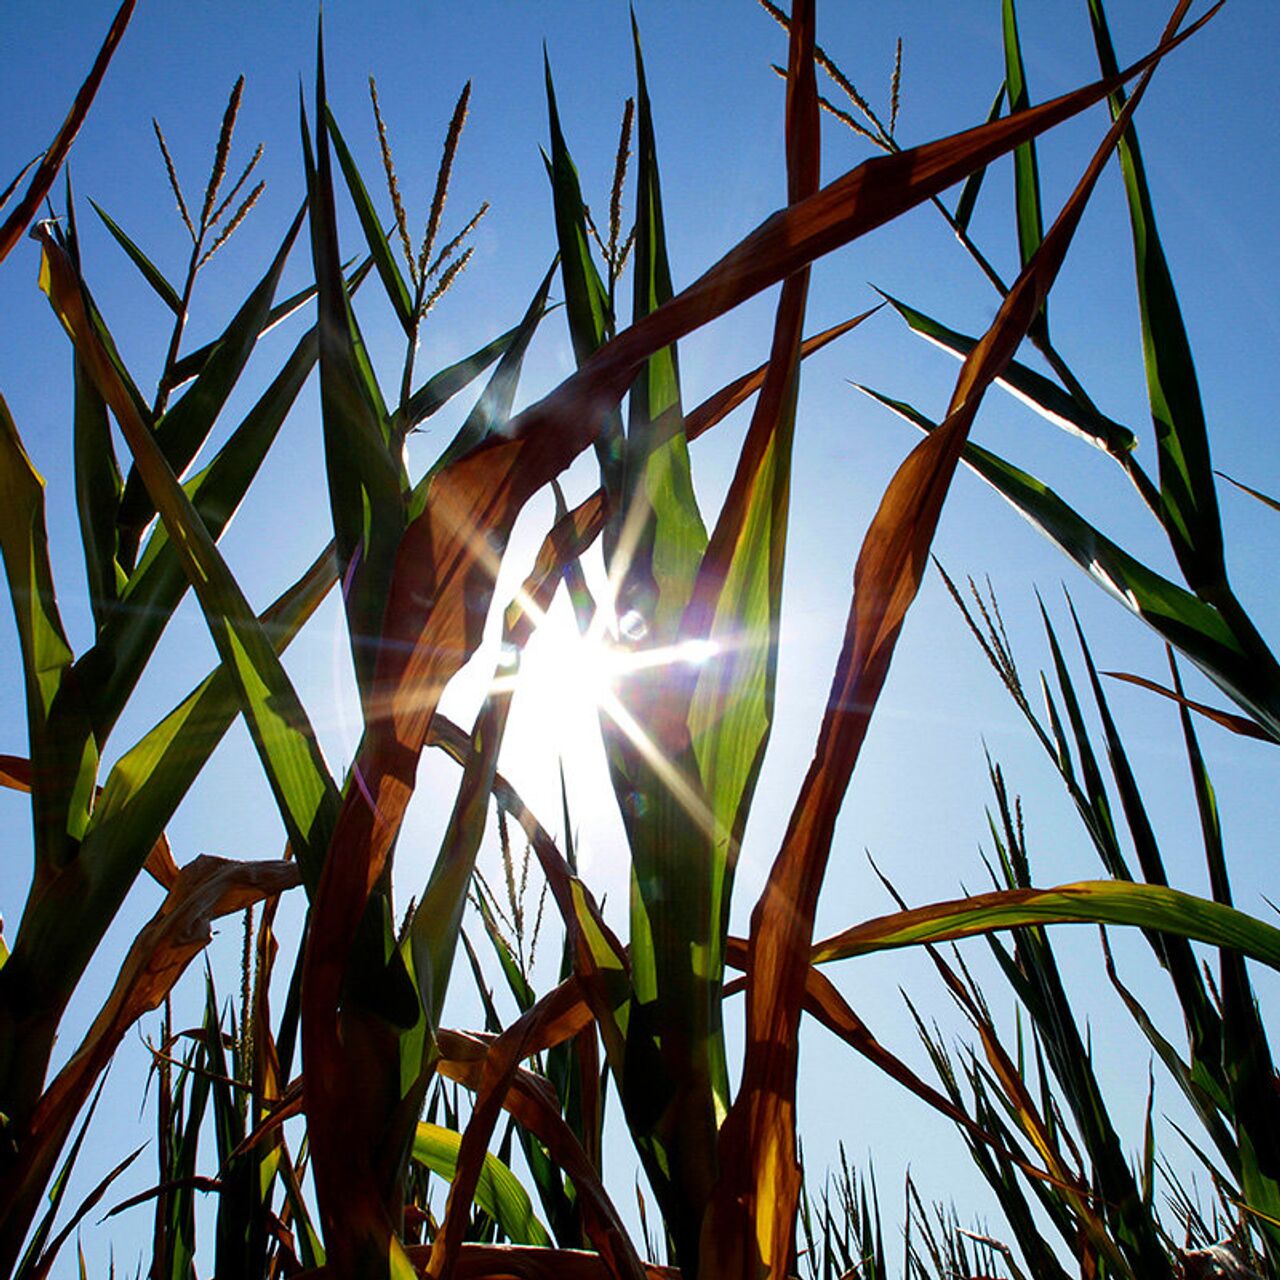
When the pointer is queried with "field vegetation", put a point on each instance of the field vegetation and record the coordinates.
(317, 1109)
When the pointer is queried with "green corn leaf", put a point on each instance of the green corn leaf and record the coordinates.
(441, 387)
(187, 424)
(1246, 1055)
(98, 482)
(1094, 804)
(492, 1023)
(62, 754)
(658, 503)
(1187, 490)
(150, 272)
(1032, 388)
(365, 481)
(973, 183)
(498, 1191)
(586, 300)
(1190, 625)
(1025, 168)
(1087, 902)
(111, 669)
(192, 364)
(305, 794)
(493, 409)
(1204, 1025)
(379, 246)
(98, 491)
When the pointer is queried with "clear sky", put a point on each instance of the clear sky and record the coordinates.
(1212, 146)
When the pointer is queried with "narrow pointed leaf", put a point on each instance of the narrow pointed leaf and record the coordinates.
(1191, 626)
(1025, 167)
(42, 180)
(1256, 493)
(111, 669)
(365, 481)
(441, 387)
(1089, 901)
(62, 754)
(379, 246)
(185, 427)
(1237, 724)
(150, 272)
(658, 507)
(973, 183)
(1186, 473)
(1032, 388)
(586, 301)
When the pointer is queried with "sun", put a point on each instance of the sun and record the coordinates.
(565, 682)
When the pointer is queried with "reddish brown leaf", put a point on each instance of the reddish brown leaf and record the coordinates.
(1245, 727)
(716, 407)
(760, 1173)
(492, 1070)
(205, 889)
(42, 181)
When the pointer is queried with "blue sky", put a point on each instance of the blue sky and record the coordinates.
(1212, 148)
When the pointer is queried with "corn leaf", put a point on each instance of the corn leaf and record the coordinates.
(973, 183)
(365, 481)
(1026, 170)
(1187, 490)
(185, 427)
(586, 301)
(441, 387)
(111, 668)
(498, 1192)
(371, 225)
(62, 754)
(1148, 906)
(150, 272)
(42, 180)
(1032, 388)
(1190, 625)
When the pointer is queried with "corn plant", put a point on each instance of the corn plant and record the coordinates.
(693, 615)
